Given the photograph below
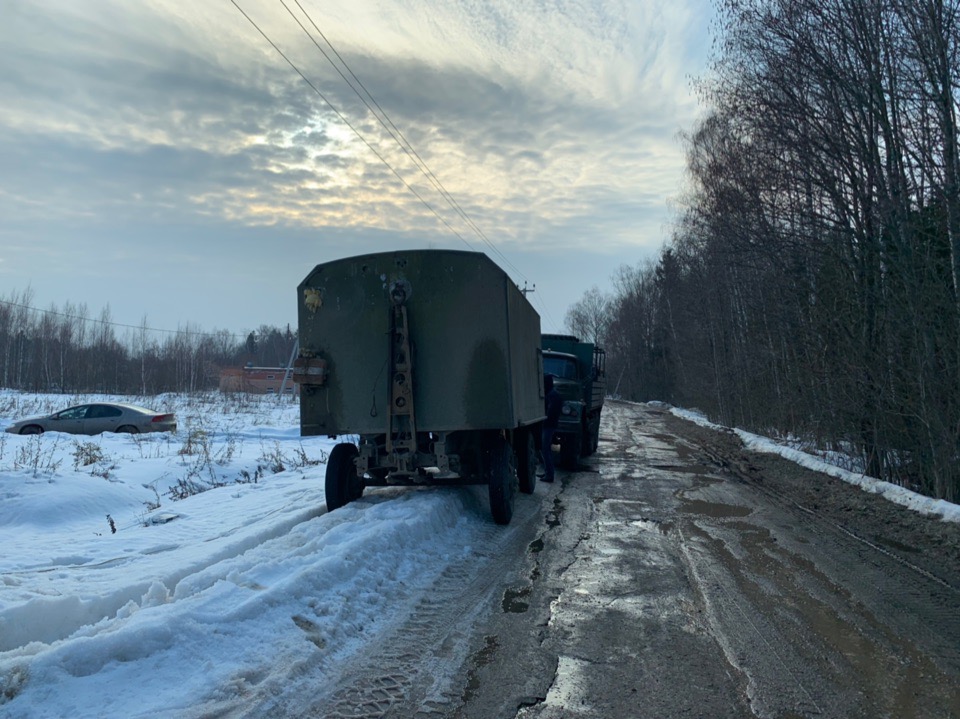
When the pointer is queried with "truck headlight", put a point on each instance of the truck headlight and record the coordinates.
(570, 409)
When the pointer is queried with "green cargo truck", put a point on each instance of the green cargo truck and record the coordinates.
(579, 374)
(428, 363)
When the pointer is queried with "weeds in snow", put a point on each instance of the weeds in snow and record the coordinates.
(191, 485)
(36, 457)
(153, 446)
(276, 461)
(251, 479)
(227, 452)
(302, 460)
(90, 454)
(197, 442)
(186, 487)
(273, 458)
(154, 504)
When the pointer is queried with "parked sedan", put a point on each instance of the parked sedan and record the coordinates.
(97, 418)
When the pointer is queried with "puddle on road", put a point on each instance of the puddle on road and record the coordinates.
(479, 659)
(682, 449)
(713, 509)
(554, 516)
(634, 513)
(514, 600)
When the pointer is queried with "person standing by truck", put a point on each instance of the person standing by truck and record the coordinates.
(553, 404)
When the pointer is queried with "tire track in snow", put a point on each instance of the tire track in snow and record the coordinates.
(409, 670)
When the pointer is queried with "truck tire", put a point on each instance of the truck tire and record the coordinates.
(526, 461)
(342, 483)
(591, 438)
(502, 481)
(586, 440)
(570, 450)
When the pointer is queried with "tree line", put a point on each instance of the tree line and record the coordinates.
(810, 287)
(65, 349)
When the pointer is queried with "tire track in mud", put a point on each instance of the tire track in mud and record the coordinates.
(847, 619)
(744, 471)
(624, 629)
(901, 586)
(819, 635)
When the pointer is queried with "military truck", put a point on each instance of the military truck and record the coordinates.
(579, 375)
(427, 364)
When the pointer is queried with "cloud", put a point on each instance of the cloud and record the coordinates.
(552, 125)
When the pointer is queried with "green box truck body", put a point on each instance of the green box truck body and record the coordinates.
(432, 357)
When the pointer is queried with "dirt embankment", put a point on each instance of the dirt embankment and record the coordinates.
(928, 544)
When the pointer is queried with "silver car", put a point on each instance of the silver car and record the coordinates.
(96, 418)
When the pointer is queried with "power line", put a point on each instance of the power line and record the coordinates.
(110, 323)
(394, 131)
(348, 124)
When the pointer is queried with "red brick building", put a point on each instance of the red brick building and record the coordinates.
(256, 380)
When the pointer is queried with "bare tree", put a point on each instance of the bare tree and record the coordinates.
(589, 317)
(811, 284)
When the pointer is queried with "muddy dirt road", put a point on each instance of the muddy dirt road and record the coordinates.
(676, 575)
(689, 578)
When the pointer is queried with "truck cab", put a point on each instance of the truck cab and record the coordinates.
(579, 375)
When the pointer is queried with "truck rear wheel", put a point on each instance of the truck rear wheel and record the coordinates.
(342, 483)
(500, 468)
(526, 461)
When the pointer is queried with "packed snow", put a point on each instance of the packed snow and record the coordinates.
(175, 574)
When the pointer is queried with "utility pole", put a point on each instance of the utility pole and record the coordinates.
(289, 373)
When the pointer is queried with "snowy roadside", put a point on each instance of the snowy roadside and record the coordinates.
(917, 502)
(180, 573)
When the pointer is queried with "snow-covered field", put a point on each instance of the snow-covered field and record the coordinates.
(126, 590)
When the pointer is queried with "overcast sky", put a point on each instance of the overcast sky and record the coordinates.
(161, 158)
